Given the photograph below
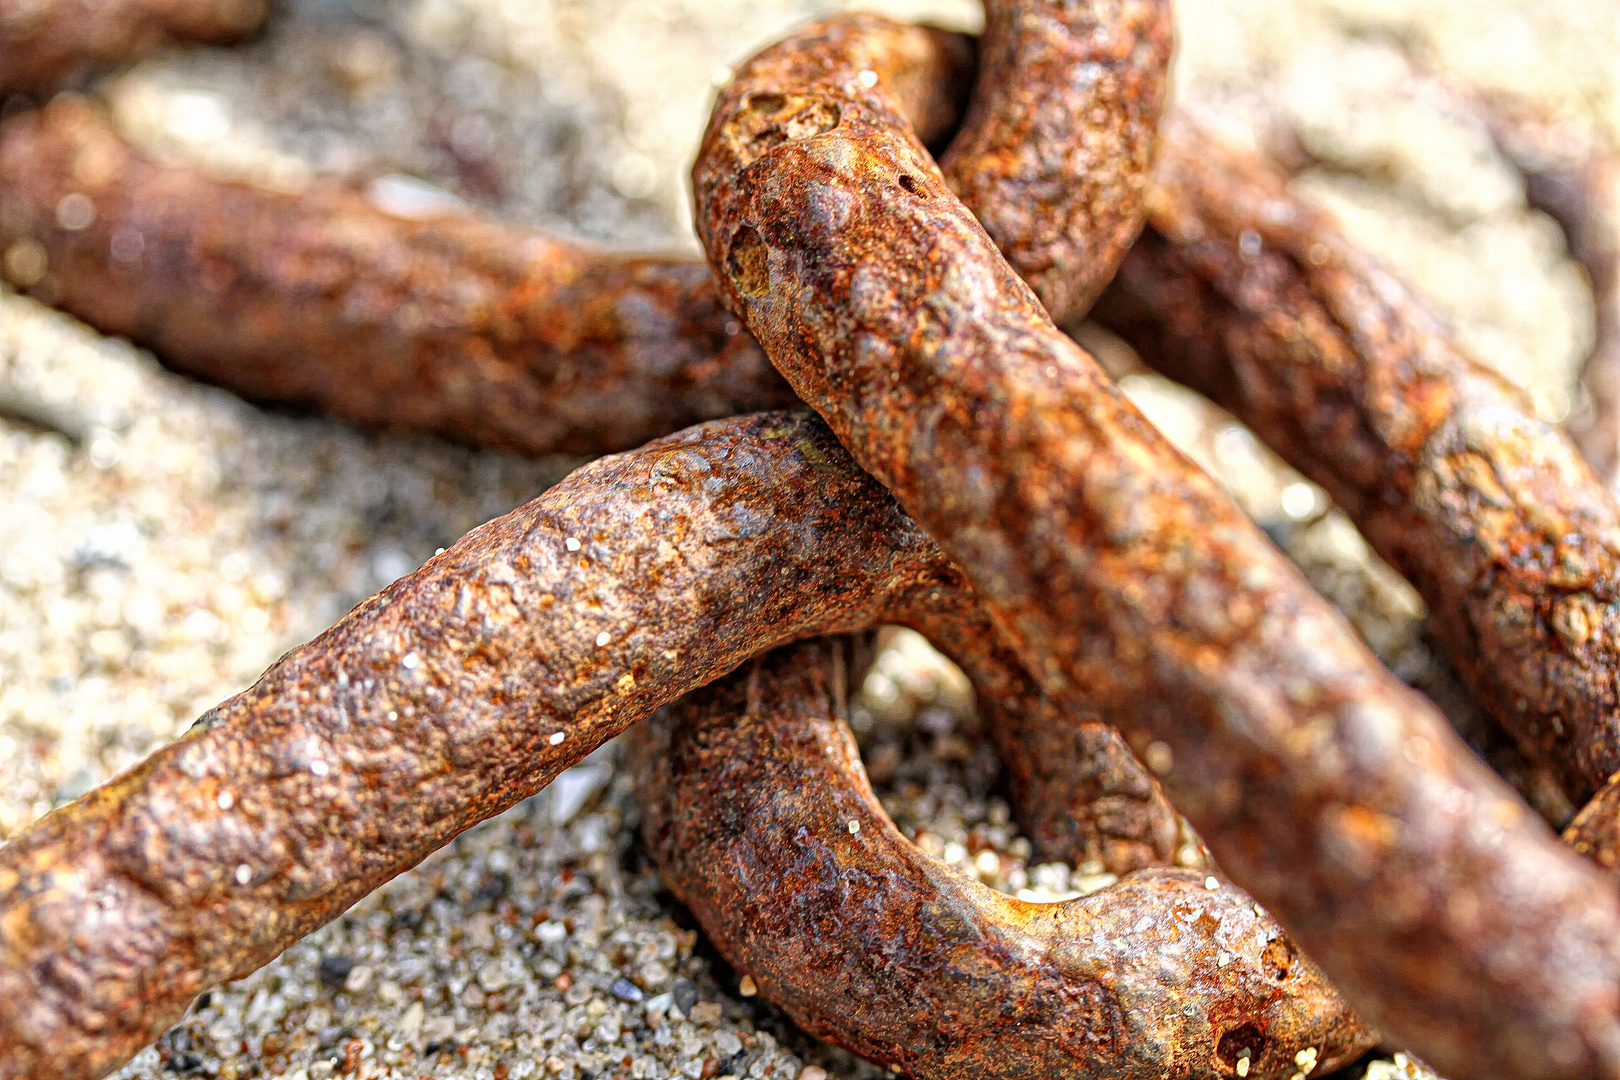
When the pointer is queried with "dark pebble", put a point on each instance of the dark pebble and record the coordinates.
(685, 994)
(492, 890)
(407, 920)
(335, 969)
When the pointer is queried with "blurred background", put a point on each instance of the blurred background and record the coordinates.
(162, 542)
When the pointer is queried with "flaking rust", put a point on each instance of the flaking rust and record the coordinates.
(1595, 832)
(1117, 572)
(452, 324)
(1079, 792)
(869, 943)
(1054, 154)
(459, 326)
(449, 697)
(1120, 571)
(442, 701)
(1246, 294)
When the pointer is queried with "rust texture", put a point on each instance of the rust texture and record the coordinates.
(442, 701)
(148, 863)
(1054, 154)
(1431, 895)
(1244, 293)
(491, 335)
(1595, 832)
(453, 325)
(1078, 791)
(1571, 173)
(487, 334)
(45, 42)
(869, 943)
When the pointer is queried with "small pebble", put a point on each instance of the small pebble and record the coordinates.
(491, 976)
(746, 987)
(334, 970)
(685, 995)
(625, 990)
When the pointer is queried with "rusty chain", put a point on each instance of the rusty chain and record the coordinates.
(1114, 571)
(757, 778)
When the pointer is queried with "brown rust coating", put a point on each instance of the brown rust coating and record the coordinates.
(511, 339)
(1113, 565)
(1595, 832)
(1055, 151)
(454, 325)
(45, 42)
(1078, 791)
(1244, 293)
(430, 707)
(748, 790)
(433, 706)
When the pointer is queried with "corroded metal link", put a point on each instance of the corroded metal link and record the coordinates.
(1078, 791)
(160, 845)
(455, 693)
(1244, 293)
(869, 943)
(442, 701)
(1115, 566)
(462, 327)
(1054, 154)
(454, 325)
(45, 42)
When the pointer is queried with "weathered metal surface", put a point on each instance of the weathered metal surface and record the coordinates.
(1054, 154)
(1078, 791)
(1115, 566)
(869, 943)
(1251, 297)
(1595, 832)
(455, 325)
(463, 327)
(442, 701)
